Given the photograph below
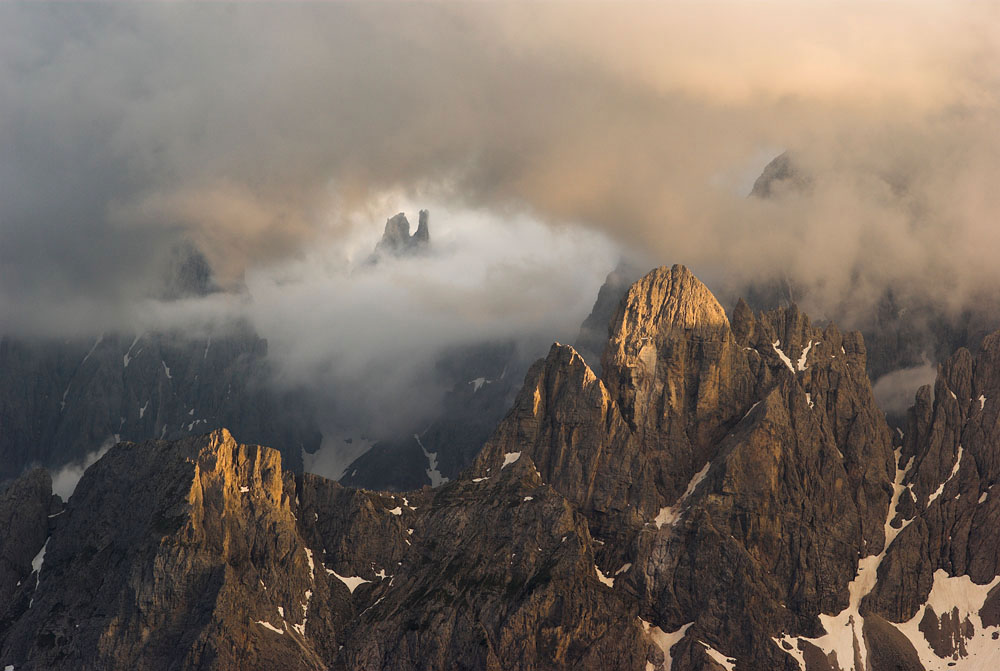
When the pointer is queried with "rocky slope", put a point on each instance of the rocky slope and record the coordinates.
(726, 496)
(61, 400)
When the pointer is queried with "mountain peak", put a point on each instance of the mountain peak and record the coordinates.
(664, 300)
(396, 239)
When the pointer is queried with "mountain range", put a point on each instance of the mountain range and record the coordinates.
(726, 494)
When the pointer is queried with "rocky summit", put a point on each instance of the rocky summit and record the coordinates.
(725, 495)
(396, 239)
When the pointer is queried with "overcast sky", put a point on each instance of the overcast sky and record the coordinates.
(277, 136)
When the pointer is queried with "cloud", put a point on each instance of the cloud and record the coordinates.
(369, 338)
(895, 391)
(65, 480)
(265, 132)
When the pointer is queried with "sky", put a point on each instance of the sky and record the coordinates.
(548, 139)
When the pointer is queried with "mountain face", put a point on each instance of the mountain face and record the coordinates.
(725, 496)
(483, 380)
(61, 400)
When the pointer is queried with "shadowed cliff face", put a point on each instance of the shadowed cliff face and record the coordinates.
(726, 497)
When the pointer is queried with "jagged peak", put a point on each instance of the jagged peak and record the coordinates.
(396, 239)
(664, 300)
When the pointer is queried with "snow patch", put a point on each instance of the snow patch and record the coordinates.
(728, 663)
(142, 410)
(479, 479)
(477, 383)
(529, 498)
(36, 563)
(805, 354)
(625, 567)
(671, 514)
(954, 470)
(982, 401)
(166, 369)
(397, 511)
(509, 459)
(268, 625)
(244, 489)
(352, 582)
(610, 582)
(664, 640)
(794, 651)
(782, 356)
(947, 594)
(844, 630)
(127, 358)
(433, 474)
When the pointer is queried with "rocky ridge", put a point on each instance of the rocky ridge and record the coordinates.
(725, 496)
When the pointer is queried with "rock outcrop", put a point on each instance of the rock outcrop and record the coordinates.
(396, 239)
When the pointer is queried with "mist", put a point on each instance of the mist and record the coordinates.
(545, 139)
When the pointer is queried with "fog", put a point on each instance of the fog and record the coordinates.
(545, 138)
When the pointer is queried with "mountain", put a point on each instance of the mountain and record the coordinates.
(62, 400)
(396, 239)
(482, 382)
(726, 495)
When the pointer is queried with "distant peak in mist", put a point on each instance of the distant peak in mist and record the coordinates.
(781, 174)
(397, 241)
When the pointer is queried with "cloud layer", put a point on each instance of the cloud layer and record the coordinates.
(265, 131)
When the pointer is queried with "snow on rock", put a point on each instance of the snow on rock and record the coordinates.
(671, 514)
(956, 593)
(128, 354)
(529, 498)
(805, 354)
(479, 479)
(352, 582)
(36, 563)
(793, 650)
(788, 362)
(625, 567)
(610, 582)
(166, 369)
(844, 630)
(954, 470)
(397, 511)
(268, 625)
(509, 459)
(142, 410)
(982, 401)
(432, 465)
(728, 663)
(477, 384)
(664, 641)
(244, 489)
